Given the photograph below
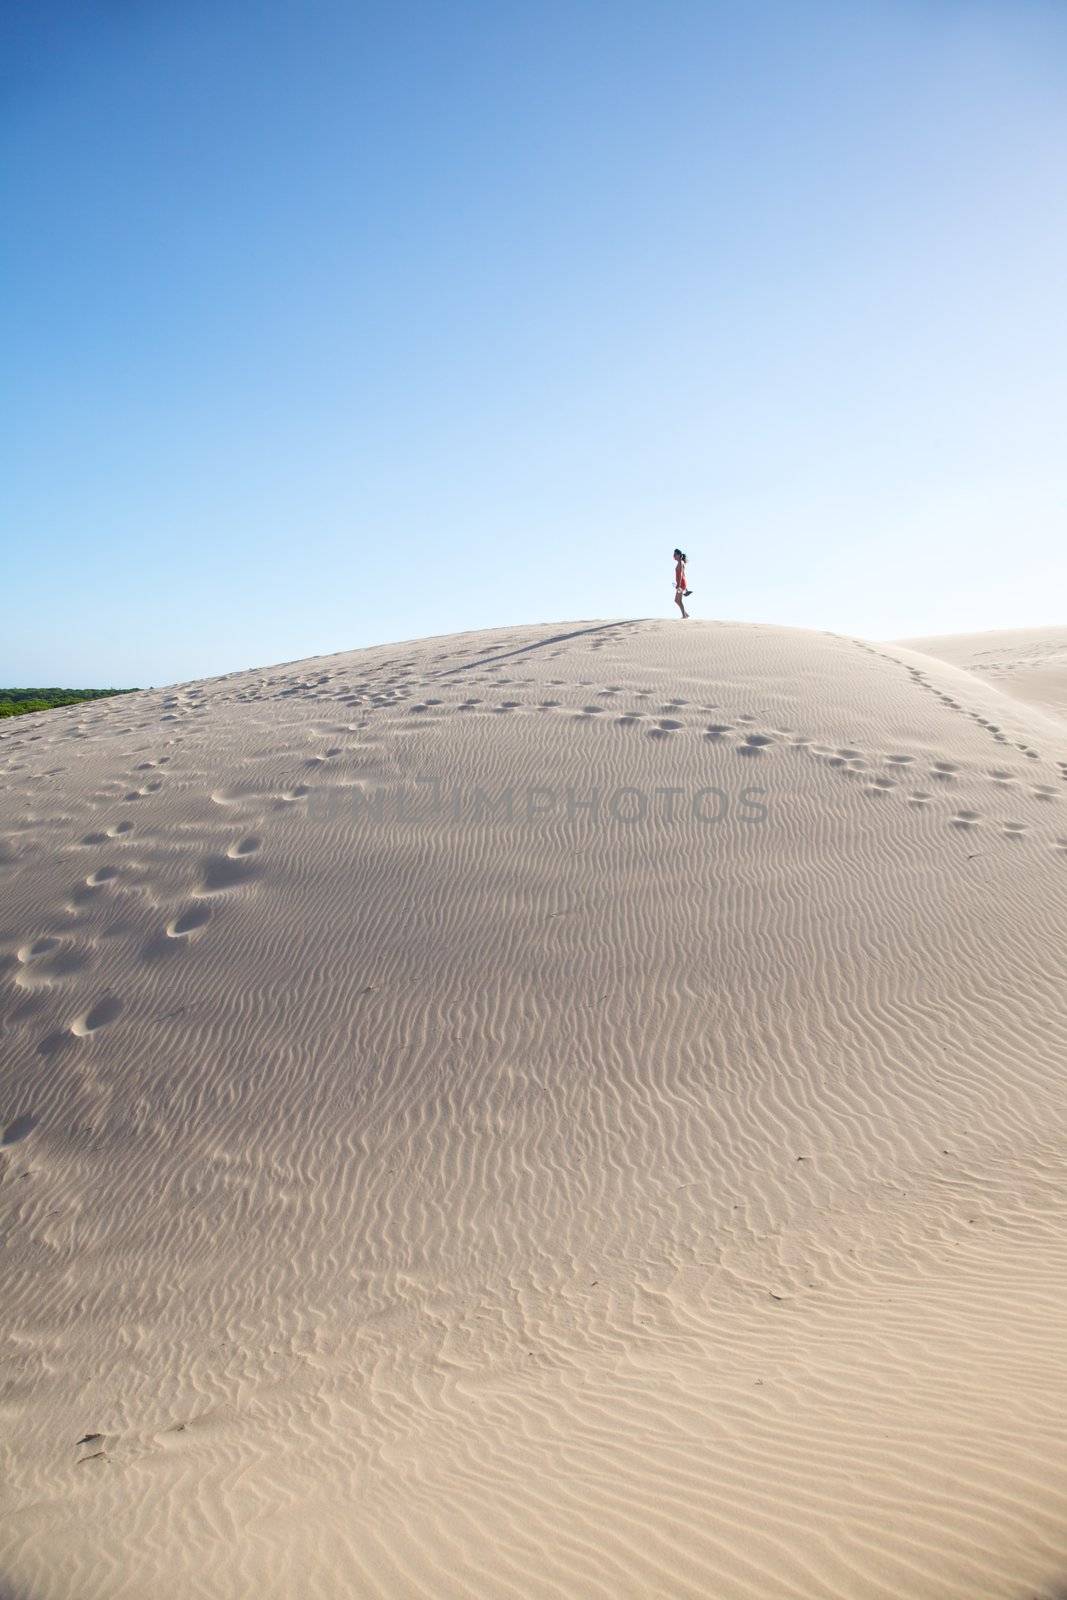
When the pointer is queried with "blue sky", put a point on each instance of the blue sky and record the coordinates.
(332, 323)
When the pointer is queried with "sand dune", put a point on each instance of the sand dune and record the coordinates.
(568, 1111)
(1027, 664)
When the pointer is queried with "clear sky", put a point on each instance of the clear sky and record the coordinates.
(330, 323)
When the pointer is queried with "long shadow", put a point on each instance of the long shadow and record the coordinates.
(538, 644)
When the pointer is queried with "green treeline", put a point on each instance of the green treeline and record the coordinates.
(13, 702)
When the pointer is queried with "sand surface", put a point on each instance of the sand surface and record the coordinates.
(412, 1191)
(1027, 664)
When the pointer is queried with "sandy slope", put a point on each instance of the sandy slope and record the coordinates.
(1027, 664)
(422, 1201)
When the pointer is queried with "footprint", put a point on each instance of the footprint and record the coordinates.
(717, 730)
(18, 1128)
(244, 847)
(106, 1010)
(965, 819)
(1014, 830)
(189, 921)
(223, 872)
(101, 875)
(119, 829)
(55, 1042)
(880, 785)
(919, 798)
(39, 947)
(900, 761)
(47, 960)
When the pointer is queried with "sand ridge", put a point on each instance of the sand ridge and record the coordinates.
(570, 1111)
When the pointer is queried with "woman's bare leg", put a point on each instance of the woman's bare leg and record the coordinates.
(680, 603)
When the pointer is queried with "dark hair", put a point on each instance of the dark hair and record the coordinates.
(682, 554)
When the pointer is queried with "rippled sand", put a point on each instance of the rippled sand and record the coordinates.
(571, 1111)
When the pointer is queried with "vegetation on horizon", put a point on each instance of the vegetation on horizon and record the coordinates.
(15, 702)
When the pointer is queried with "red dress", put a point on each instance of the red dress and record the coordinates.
(679, 576)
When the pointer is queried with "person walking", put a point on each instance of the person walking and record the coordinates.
(682, 590)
